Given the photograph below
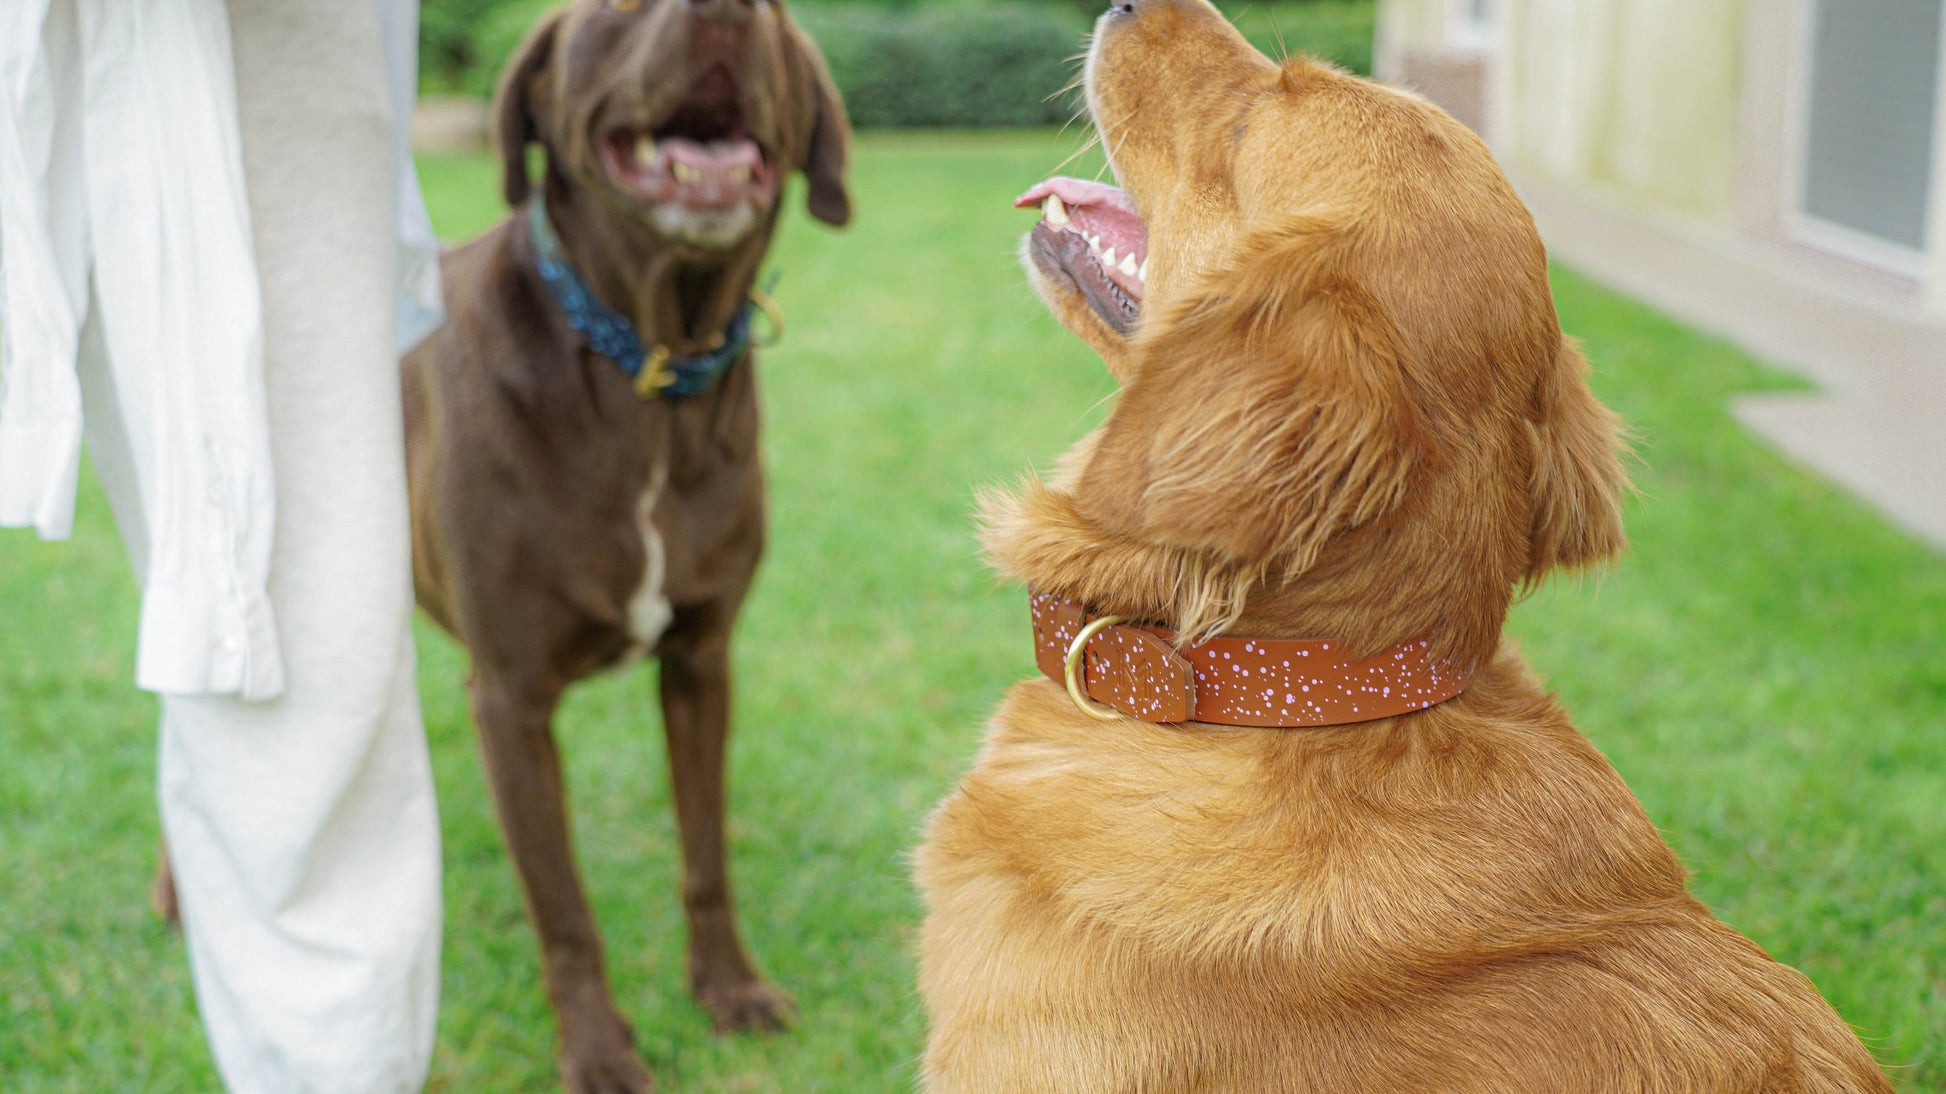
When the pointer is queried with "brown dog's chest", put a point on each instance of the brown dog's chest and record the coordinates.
(704, 478)
(558, 518)
(680, 509)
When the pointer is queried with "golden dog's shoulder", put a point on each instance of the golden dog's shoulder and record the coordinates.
(1213, 836)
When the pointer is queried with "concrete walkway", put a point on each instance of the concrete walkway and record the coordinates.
(1878, 426)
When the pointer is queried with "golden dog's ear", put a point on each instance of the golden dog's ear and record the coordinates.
(1263, 416)
(516, 107)
(1577, 480)
(830, 146)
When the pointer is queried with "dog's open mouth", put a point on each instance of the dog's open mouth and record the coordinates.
(699, 158)
(1091, 235)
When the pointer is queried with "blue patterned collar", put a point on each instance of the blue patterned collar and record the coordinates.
(657, 372)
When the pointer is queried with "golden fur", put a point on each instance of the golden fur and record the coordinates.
(1348, 411)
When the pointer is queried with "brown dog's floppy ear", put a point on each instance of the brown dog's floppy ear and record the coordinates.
(1263, 417)
(515, 126)
(1577, 480)
(830, 147)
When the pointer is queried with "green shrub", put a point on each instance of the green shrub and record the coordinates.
(1004, 64)
(1337, 30)
(499, 35)
(449, 47)
(953, 65)
(921, 63)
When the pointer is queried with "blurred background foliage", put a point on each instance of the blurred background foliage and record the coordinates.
(917, 63)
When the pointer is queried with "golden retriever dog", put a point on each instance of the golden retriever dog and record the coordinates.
(1349, 427)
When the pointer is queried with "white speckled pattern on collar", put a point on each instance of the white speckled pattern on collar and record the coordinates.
(1269, 682)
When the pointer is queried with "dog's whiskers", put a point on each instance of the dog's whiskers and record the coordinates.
(1098, 403)
(1093, 140)
(1109, 160)
(1080, 78)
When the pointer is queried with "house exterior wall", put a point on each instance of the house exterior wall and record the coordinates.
(1636, 96)
(1687, 111)
(1768, 107)
(1405, 27)
(1437, 48)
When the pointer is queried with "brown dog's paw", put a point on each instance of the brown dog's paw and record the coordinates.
(749, 1005)
(623, 1073)
(598, 1056)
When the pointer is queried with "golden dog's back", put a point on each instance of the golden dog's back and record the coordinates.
(1473, 902)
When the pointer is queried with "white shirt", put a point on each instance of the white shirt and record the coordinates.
(121, 188)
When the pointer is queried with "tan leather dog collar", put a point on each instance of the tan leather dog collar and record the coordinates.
(1271, 682)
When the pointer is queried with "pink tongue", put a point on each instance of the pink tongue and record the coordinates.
(715, 156)
(1078, 192)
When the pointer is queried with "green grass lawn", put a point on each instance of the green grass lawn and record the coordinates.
(1767, 668)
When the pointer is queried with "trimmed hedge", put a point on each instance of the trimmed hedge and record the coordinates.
(450, 50)
(952, 65)
(966, 64)
(499, 35)
(1337, 30)
(922, 63)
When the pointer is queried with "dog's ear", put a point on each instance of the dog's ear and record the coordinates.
(1577, 480)
(518, 101)
(829, 150)
(1264, 415)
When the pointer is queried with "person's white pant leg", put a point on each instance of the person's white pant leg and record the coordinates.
(307, 865)
(303, 830)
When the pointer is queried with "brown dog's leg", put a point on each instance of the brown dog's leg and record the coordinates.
(516, 734)
(696, 717)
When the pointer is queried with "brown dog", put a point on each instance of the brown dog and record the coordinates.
(568, 517)
(1348, 414)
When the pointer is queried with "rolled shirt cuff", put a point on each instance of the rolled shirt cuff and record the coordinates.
(39, 464)
(194, 643)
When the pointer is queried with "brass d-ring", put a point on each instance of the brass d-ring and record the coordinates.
(1081, 701)
(773, 313)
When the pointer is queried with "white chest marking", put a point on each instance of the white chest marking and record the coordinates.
(648, 609)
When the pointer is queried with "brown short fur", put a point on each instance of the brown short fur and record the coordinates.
(1348, 411)
(536, 469)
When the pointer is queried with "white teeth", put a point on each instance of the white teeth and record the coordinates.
(684, 172)
(1128, 266)
(1094, 242)
(1108, 258)
(1142, 272)
(1057, 213)
(740, 174)
(644, 150)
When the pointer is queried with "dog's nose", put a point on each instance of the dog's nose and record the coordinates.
(723, 11)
